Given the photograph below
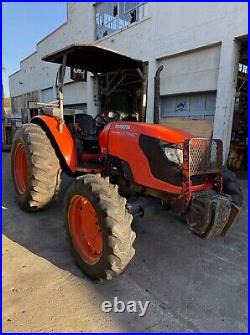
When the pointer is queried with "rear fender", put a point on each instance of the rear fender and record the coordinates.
(62, 140)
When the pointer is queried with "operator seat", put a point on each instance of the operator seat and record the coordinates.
(88, 126)
(88, 133)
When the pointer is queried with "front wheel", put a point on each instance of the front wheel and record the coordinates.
(99, 227)
(35, 168)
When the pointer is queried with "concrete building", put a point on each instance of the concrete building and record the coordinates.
(200, 46)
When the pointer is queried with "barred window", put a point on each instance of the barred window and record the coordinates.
(243, 68)
(113, 16)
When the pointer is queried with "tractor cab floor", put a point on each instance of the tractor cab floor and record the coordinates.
(90, 167)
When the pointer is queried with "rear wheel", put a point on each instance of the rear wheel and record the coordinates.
(36, 170)
(99, 227)
(232, 187)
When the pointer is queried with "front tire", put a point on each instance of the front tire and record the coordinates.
(35, 168)
(99, 227)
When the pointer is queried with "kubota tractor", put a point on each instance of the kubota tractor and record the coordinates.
(122, 166)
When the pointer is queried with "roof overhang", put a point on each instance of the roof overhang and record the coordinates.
(93, 58)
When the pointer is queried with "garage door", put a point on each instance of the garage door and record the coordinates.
(48, 95)
(192, 106)
(194, 71)
(193, 112)
(78, 107)
(75, 93)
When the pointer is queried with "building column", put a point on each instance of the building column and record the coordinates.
(152, 67)
(226, 88)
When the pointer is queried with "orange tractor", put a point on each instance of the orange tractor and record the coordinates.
(123, 166)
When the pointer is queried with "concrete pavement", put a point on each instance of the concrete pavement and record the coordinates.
(192, 284)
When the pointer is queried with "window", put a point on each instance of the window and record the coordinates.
(243, 68)
(113, 16)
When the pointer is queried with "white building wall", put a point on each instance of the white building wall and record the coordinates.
(170, 29)
(37, 74)
(188, 38)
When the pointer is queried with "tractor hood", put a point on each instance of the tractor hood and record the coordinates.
(93, 58)
(164, 133)
(138, 145)
(119, 137)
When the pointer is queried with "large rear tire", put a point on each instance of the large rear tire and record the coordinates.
(36, 171)
(232, 186)
(99, 227)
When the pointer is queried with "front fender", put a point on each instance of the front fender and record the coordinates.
(63, 139)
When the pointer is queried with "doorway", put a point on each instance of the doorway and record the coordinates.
(237, 158)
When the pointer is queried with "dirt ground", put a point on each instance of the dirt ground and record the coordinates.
(192, 284)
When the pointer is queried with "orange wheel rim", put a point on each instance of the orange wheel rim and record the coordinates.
(20, 168)
(85, 229)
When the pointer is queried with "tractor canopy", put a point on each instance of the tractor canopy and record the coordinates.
(93, 58)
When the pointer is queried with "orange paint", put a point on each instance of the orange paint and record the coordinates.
(20, 168)
(85, 229)
(63, 139)
(121, 139)
(88, 156)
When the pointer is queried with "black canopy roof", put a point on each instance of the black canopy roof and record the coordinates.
(93, 58)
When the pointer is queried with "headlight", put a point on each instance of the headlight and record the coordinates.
(173, 153)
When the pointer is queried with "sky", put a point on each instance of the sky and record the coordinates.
(23, 25)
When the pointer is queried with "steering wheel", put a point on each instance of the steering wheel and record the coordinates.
(103, 118)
